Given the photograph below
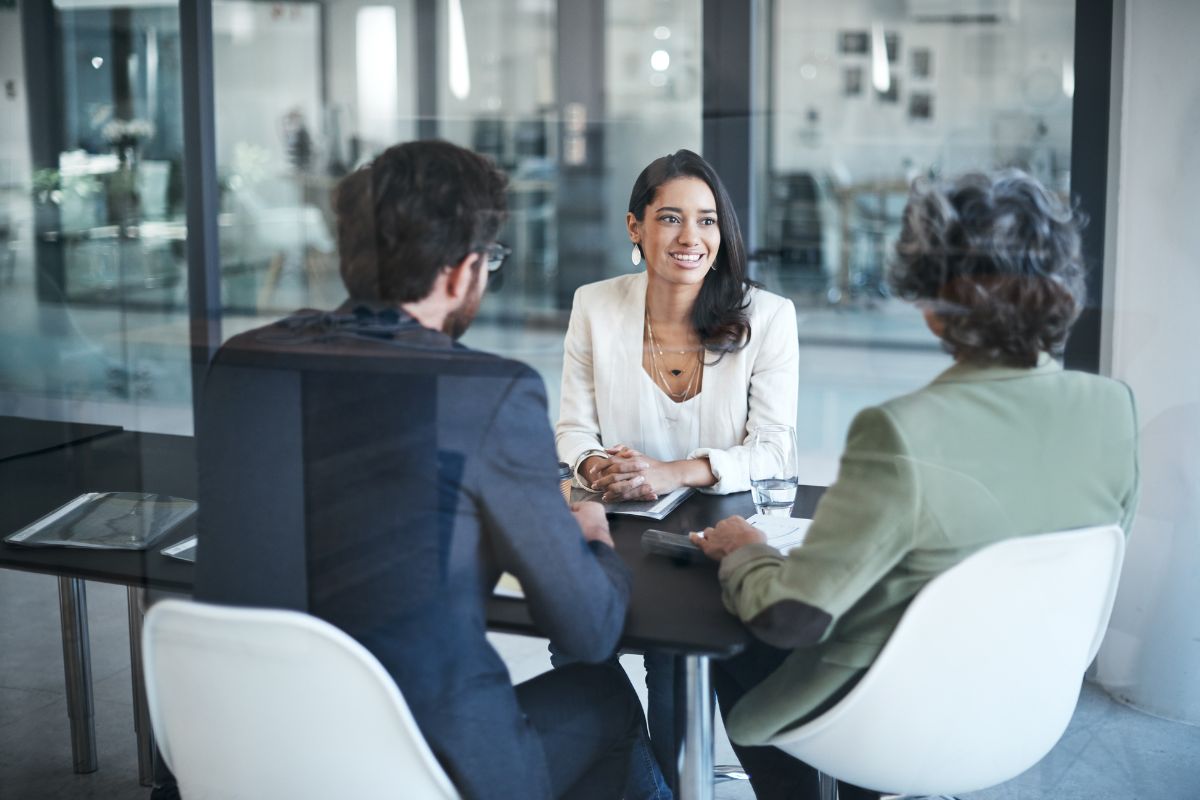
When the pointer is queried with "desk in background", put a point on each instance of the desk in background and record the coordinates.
(36, 483)
(20, 437)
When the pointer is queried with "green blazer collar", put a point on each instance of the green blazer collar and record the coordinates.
(965, 371)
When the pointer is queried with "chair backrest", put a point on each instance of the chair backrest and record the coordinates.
(257, 703)
(981, 676)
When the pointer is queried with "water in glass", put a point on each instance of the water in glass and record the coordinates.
(773, 474)
(774, 497)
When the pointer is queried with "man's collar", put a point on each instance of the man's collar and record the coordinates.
(967, 371)
(371, 319)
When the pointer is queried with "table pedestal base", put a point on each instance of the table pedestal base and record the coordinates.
(696, 749)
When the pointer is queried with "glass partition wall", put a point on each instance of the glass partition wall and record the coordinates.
(848, 102)
(93, 288)
(336, 82)
(852, 100)
(864, 97)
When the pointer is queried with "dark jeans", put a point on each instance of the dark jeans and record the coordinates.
(660, 718)
(650, 760)
(587, 717)
(773, 773)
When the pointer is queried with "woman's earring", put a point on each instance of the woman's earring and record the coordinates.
(636, 255)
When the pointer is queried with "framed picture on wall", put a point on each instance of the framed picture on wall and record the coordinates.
(891, 41)
(920, 106)
(922, 62)
(892, 95)
(854, 42)
(852, 81)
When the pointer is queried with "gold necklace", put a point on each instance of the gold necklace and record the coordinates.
(657, 367)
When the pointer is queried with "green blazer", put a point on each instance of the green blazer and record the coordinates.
(979, 455)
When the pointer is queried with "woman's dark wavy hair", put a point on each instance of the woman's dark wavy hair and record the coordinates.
(719, 315)
(997, 258)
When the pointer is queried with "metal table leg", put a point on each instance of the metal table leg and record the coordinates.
(141, 710)
(696, 773)
(828, 786)
(77, 665)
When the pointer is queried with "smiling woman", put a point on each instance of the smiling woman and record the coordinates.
(692, 318)
(679, 209)
(667, 373)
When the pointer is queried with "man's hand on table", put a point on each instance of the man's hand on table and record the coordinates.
(592, 522)
(726, 536)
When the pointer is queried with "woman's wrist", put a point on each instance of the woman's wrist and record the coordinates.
(693, 472)
(589, 469)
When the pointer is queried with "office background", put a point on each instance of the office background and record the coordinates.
(165, 172)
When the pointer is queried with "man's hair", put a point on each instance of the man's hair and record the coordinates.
(418, 207)
(997, 258)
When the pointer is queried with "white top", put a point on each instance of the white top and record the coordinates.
(670, 430)
(602, 380)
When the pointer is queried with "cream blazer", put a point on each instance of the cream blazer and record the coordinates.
(602, 362)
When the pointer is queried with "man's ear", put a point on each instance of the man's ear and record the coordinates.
(461, 277)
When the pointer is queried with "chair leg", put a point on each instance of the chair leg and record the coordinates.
(729, 772)
(828, 786)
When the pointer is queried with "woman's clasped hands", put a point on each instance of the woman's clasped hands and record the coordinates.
(630, 475)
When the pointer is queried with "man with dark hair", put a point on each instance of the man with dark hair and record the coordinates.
(363, 466)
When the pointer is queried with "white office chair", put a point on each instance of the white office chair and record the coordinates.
(981, 677)
(264, 704)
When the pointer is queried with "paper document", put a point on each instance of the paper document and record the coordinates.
(651, 509)
(183, 551)
(783, 533)
(509, 586)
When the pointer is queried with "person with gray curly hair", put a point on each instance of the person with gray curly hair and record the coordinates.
(1003, 443)
(995, 263)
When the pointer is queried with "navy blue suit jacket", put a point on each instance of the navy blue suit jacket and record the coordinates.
(380, 476)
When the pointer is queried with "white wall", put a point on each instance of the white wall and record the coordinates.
(1151, 657)
(648, 115)
(266, 62)
(341, 59)
(14, 114)
(510, 49)
(990, 85)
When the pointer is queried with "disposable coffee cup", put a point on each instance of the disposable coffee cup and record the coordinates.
(564, 480)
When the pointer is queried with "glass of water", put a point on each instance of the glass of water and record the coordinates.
(773, 472)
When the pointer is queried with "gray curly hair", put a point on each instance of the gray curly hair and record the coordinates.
(997, 259)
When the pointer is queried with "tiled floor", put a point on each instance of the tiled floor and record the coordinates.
(1110, 752)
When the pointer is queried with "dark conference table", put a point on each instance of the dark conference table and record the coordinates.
(674, 606)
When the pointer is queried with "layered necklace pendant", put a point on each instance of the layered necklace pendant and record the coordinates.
(658, 363)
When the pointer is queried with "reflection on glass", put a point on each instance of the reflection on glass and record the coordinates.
(92, 230)
(331, 90)
(884, 95)
(864, 97)
(279, 150)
